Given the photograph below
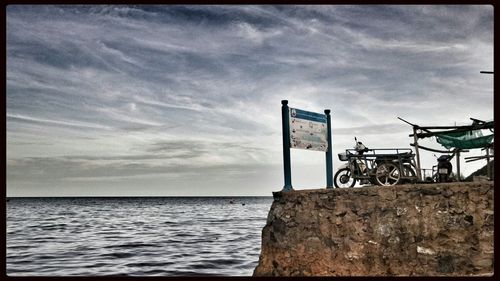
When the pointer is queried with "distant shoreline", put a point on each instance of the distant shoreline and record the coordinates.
(69, 197)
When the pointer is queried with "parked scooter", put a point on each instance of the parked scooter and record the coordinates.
(444, 168)
(345, 175)
(442, 171)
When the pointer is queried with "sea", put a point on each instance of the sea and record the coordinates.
(134, 236)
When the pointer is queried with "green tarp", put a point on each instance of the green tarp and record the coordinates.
(464, 140)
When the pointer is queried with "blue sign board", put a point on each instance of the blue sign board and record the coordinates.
(307, 115)
(308, 130)
(305, 130)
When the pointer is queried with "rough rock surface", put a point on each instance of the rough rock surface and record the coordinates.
(407, 230)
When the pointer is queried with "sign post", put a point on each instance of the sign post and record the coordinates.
(286, 145)
(329, 165)
(306, 130)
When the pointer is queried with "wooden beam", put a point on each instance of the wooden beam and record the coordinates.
(444, 127)
(407, 122)
(488, 172)
(457, 130)
(475, 159)
(419, 173)
(433, 150)
(413, 125)
(477, 120)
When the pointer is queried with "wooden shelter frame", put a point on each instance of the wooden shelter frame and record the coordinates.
(425, 131)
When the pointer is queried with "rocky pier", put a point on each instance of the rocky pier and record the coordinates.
(407, 230)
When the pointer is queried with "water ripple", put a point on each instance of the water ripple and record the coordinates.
(134, 236)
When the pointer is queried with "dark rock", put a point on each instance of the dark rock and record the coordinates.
(445, 264)
(469, 219)
(430, 191)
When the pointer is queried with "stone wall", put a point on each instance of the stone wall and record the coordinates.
(407, 230)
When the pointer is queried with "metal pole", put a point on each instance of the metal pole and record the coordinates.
(492, 171)
(458, 165)
(285, 122)
(329, 165)
(415, 138)
(488, 171)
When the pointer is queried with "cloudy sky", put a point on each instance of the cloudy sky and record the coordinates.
(186, 100)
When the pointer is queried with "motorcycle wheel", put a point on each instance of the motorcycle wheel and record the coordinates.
(387, 174)
(343, 178)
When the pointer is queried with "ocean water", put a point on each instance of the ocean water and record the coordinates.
(155, 236)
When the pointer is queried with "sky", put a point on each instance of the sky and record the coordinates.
(186, 100)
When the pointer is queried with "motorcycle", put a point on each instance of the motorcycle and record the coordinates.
(442, 171)
(377, 167)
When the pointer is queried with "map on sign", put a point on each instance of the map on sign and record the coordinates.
(308, 130)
